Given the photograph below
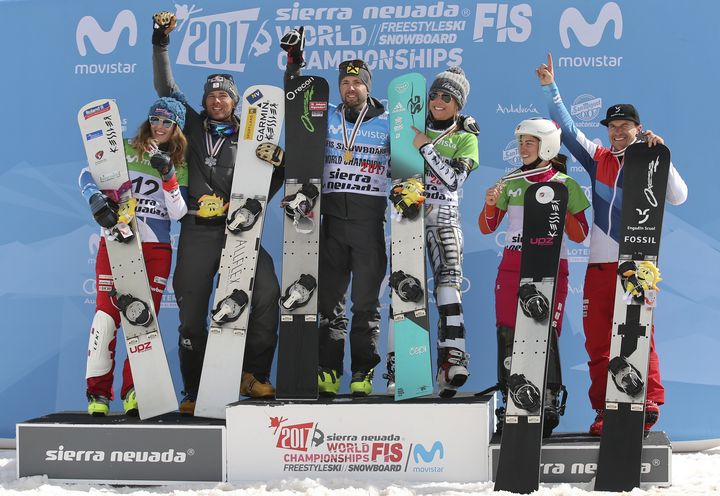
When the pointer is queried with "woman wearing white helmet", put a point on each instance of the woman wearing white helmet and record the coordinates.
(538, 147)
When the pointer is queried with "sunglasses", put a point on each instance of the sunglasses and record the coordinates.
(353, 66)
(445, 97)
(154, 120)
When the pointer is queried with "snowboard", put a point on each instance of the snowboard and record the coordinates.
(645, 175)
(101, 129)
(261, 122)
(413, 363)
(306, 104)
(544, 210)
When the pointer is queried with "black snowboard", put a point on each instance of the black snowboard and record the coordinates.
(644, 179)
(544, 210)
(306, 114)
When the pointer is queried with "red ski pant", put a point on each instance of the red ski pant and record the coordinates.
(158, 257)
(598, 306)
(508, 283)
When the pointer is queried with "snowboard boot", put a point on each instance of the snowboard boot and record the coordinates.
(597, 425)
(361, 383)
(98, 406)
(187, 405)
(555, 400)
(390, 374)
(328, 382)
(130, 403)
(652, 413)
(452, 371)
(256, 386)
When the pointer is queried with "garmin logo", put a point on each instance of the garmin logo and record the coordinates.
(103, 41)
(590, 34)
(169, 456)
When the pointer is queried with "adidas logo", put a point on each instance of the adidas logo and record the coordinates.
(398, 107)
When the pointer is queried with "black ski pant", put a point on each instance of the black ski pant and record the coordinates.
(198, 259)
(350, 250)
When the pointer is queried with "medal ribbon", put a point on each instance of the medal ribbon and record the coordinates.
(349, 142)
(213, 150)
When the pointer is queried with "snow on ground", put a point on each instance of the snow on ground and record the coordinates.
(693, 474)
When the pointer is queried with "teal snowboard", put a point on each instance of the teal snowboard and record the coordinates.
(413, 364)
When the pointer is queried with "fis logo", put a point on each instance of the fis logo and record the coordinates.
(590, 34)
(104, 42)
(511, 23)
(217, 41)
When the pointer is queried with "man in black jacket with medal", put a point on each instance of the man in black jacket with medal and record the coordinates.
(212, 144)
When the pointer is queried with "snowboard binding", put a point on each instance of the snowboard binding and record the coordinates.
(299, 207)
(230, 307)
(136, 311)
(524, 393)
(407, 287)
(408, 197)
(244, 217)
(533, 303)
(625, 376)
(299, 292)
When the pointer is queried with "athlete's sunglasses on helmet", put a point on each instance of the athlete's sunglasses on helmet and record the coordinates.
(353, 66)
(445, 97)
(154, 120)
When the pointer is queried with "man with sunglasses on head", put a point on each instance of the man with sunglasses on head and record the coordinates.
(352, 236)
(212, 145)
(604, 165)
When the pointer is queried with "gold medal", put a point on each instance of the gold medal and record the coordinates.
(347, 156)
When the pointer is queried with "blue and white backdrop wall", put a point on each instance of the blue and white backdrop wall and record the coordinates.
(57, 56)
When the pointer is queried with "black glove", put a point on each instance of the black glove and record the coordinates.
(163, 23)
(104, 210)
(468, 124)
(162, 163)
(293, 42)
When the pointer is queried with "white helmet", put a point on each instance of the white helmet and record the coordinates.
(546, 131)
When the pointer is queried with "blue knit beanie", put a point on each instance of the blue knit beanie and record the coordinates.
(169, 108)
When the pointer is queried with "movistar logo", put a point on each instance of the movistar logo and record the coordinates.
(437, 449)
(590, 34)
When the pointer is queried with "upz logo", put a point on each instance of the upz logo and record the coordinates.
(437, 449)
(140, 348)
(652, 168)
(103, 41)
(217, 41)
(590, 34)
(510, 23)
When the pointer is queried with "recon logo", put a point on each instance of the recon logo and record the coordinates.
(169, 456)
(590, 34)
(103, 41)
